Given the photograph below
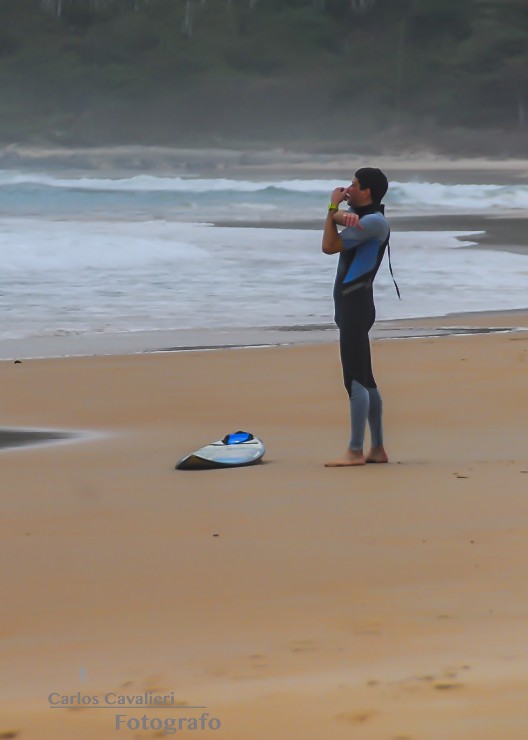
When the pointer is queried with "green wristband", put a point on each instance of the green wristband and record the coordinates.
(333, 207)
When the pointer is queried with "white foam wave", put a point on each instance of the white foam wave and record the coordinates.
(431, 195)
(415, 195)
(120, 276)
(152, 183)
(45, 246)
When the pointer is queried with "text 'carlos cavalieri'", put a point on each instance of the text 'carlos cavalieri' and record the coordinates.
(148, 700)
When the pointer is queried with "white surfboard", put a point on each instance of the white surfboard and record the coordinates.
(233, 451)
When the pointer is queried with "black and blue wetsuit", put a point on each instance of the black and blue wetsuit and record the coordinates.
(353, 292)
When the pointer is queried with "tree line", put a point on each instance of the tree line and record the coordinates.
(184, 70)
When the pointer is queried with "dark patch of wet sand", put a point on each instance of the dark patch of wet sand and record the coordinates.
(22, 437)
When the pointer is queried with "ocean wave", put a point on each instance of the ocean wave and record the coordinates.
(458, 197)
(415, 195)
(152, 183)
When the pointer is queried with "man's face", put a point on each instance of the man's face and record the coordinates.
(357, 197)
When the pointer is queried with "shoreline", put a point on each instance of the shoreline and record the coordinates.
(188, 340)
(466, 324)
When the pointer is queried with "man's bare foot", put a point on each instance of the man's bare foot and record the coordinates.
(350, 458)
(377, 455)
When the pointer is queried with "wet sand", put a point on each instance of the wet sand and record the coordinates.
(185, 340)
(290, 600)
(499, 232)
(23, 437)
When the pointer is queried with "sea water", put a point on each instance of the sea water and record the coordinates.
(85, 254)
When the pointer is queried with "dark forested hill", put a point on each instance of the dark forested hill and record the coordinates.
(221, 71)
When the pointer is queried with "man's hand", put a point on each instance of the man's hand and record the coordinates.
(351, 219)
(347, 218)
(338, 195)
(332, 243)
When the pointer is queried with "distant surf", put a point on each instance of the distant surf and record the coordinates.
(298, 193)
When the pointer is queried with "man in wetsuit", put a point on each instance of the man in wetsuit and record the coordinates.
(361, 246)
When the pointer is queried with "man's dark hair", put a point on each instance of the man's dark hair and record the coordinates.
(375, 180)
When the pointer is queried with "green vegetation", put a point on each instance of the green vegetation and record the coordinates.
(295, 71)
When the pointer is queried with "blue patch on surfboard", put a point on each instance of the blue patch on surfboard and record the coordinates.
(235, 450)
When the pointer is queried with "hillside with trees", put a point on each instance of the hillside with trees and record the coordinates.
(186, 72)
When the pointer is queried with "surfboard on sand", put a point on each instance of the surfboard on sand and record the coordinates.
(233, 451)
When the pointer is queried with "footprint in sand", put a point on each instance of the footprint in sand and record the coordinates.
(357, 718)
(154, 684)
(258, 662)
(303, 646)
(368, 631)
(448, 686)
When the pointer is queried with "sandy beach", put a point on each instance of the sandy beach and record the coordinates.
(287, 600)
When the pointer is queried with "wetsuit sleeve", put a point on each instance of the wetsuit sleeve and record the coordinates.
(371, 228)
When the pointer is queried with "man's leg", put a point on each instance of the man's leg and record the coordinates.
(359, 409)
(359, 412)
(356, 319)
(377, 452)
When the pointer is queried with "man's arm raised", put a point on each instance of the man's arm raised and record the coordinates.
(332, 242)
